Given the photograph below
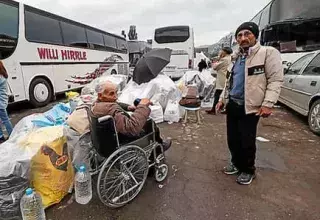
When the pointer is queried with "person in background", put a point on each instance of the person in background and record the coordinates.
(251, 91)
(221, 67)
(202, 65)
(4, 103)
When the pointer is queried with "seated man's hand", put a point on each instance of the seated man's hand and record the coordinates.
(146, 102)
(131, 108)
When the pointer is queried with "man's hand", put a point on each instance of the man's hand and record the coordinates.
(131, 108)
(146, 102)
(264, 112)
(219, 106)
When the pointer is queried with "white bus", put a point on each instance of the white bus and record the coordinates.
(292, 26)
(181, 40)
(46, 54)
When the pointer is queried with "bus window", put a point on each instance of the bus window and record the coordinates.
(74, 35)
(265, 18)
(122, 45)
(173, 34)
(291, 9)
(95, 40)
(110, 42)
(256, 18)
(9, 16)
(303, 32)
(42, 29)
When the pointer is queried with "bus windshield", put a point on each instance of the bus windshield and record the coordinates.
(294, 9)
(9, 17)
(294, 36)
(175, 34)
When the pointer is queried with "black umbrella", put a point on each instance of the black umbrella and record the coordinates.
(150, 65)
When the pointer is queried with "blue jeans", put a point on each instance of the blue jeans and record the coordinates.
(5, 121)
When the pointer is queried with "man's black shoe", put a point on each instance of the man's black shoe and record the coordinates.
(230, 169)
(245, 178)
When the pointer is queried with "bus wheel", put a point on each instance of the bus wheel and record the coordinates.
(113, 72)
(40, 92)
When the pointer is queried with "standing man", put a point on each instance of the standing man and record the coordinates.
(250, 93)
(221, 67)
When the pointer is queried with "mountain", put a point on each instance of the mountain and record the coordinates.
(226, 41)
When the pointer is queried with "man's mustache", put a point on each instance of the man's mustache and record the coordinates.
(244, 42)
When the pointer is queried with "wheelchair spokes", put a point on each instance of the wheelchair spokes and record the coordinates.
(122, 176)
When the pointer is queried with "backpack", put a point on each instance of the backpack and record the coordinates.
(191, 100)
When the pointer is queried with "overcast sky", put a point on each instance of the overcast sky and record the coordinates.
(211, 19)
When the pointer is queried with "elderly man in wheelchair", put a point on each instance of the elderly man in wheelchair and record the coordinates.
(126, 147)
(129, 126)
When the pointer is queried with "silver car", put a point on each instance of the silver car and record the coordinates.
(301, 88)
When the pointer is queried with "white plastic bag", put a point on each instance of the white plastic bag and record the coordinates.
(119, 80)
(172, 112)
(156, 113)
(159, 90)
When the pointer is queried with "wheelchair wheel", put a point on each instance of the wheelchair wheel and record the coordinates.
(122, 176)
(161, 172)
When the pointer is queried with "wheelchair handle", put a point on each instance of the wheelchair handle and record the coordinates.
(104, 118)
(84, 106)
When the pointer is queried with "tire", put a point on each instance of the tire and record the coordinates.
(314, 117)
(128, 166)
(161, 173)
(40, 92)
(113, 72)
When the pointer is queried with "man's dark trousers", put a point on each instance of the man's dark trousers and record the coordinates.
(217, 95)
(242, 131)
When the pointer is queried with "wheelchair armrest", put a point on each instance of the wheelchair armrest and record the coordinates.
(149, 126)
(104, 118)
(84, 106)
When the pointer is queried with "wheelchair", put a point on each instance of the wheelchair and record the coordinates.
(122, 166)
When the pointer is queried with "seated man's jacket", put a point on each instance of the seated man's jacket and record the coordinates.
(125, 124)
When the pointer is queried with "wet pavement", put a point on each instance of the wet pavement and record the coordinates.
(287, 184)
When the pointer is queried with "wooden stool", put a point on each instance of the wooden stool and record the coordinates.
(196, 111)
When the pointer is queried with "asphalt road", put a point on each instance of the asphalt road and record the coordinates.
(287, 184)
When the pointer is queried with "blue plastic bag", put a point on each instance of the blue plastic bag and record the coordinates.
(55, 116)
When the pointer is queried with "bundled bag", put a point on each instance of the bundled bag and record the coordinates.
(52, 171)
(53, 117)
(78, 120)
(191, 99)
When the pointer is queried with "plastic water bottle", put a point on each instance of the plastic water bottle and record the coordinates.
(31, 206)
(83, 189)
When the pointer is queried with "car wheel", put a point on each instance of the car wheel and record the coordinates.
(314, 117)
(40, 92)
